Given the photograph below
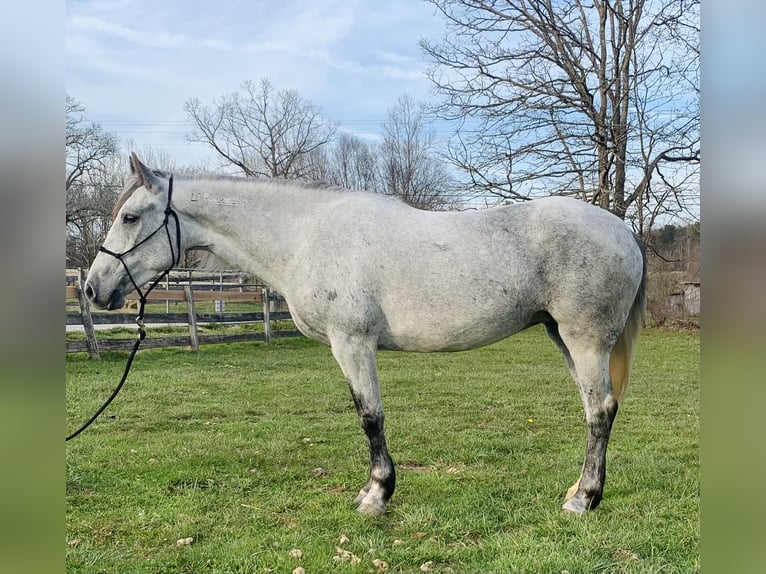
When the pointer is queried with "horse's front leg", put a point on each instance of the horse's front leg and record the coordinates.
(356, 357)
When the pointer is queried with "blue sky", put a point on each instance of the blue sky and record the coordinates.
(133, 63)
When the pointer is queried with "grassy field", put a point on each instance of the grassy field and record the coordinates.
(255, 453)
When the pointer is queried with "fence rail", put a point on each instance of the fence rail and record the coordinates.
(159, 294)
(92, 344)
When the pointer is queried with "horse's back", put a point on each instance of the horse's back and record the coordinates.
(436, 281)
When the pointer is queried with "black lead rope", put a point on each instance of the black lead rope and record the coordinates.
(176, 256)
(141, 336)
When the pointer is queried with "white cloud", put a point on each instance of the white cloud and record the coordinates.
(353, 58)
(91, 24)
(85, 53)
(368, 68)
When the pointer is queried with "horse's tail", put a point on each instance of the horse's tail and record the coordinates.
(621, 358)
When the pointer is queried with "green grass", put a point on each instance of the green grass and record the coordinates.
(154, 331)
(254, 451)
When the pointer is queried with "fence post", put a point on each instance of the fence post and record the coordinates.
(266, 316)
(87, 320)
(190, 313)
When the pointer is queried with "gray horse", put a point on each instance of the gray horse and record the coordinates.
(362, 272)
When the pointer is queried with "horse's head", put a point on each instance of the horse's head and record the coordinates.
(142, 242)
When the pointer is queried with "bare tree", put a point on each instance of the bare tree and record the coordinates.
(353, 163)
(87, 145)
(91, 186)
(667, 136)
(262, 132)
(157, 157)
(409, 166)
(591, 99)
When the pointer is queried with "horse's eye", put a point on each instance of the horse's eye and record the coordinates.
(129, 219)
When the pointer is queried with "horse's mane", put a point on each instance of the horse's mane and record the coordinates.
(270, 181)
(134, 182)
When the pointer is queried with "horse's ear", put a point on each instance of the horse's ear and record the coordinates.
(145, 174)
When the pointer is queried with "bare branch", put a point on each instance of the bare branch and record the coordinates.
(262, 132)
(572, 94)
(408, 165)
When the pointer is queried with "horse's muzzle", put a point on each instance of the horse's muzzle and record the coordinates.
(90, 293)
(115, 300)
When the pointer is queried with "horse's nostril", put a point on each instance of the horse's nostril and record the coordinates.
(89, 292)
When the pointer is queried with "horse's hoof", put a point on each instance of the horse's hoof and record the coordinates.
(575, 506)
(362, 495)
(371, 508)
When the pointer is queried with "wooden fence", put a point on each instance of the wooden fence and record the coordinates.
(93, 344)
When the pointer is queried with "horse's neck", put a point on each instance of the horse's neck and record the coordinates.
(250, 226)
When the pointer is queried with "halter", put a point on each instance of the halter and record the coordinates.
(176, 256)
(169, 212)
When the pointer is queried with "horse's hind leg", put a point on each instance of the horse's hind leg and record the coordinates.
(356, 357)
(589, 362)
(552, 328)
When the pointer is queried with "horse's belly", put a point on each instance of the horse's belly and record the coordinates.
(427, 335)
(420, 320)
